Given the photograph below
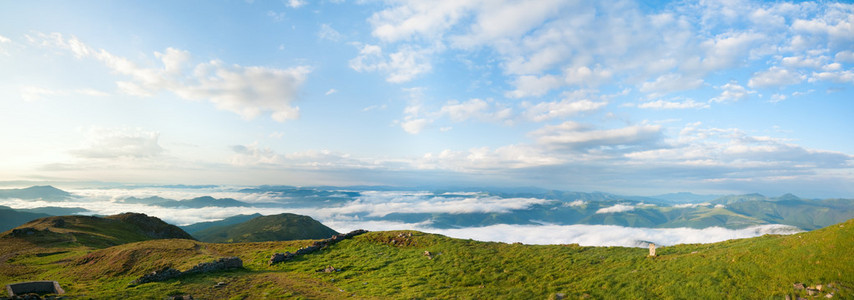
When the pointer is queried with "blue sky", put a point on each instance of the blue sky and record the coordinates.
(617, 96)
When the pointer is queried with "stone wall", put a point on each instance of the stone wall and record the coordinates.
(282, 257)
(222, 264)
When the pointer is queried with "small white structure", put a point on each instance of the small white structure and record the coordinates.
(652, 249)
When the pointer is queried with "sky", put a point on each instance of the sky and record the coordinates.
(625, 97)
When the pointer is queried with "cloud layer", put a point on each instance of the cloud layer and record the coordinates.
(246, 91)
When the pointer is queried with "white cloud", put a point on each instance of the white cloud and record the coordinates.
(112, 143)
(601, 235)
(559, 109)
(618, 208)
(574, 136)
(410, 18)
(247, 91)
(474, 109)
(732, 92)
(414, 125)
(773, 77)
(669, 83)
(663, 104)
(846, 76)
(326, 32)
(296, 3)
(845, 56)
(777, 98)
(534, 86)
(585, 76)
(253, 155)
(401, 66)
(804, 61)
(330, 92)
(380, 204)
(729, 49)
(4, 40)
(486, 159)
(575, 203)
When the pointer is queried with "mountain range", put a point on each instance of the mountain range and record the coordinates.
(93, 257)
(554, 207)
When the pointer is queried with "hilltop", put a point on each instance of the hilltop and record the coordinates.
(95, 232)
(409, 264)
(281, 227)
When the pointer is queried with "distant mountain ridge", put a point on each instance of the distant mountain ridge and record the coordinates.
(561, 208)
(198, 202)
(44, 192)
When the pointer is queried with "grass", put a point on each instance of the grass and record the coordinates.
(393, 264)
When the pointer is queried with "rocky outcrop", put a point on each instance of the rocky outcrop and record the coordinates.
(222, 264)
(283, 257)
(814, 291)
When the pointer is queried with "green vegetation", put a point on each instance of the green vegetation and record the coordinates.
(408, 264)
(281, 227)
(227, 221)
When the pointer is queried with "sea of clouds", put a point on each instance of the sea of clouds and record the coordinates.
(356, 213)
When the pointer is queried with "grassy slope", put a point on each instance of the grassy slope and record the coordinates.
(375, 267)
(281, 227)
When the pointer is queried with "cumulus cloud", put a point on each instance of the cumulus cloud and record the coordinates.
(711, 153)
(557, 45)
(773, 77)
(574, 136)
(485, 159)
(247, 91)
(846, 76)
(664, 104)
(558, 109)
(732, 92)
(401, 66)
(669, 83)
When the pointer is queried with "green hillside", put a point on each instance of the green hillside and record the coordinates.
(95, 232)
(281, 227)
(407, 264)
(192, 228)
(11, 218)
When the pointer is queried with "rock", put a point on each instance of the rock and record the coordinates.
(829, 295)
(225, 263)
(812, 292)
(280, 257)
(819, 287)
(798, 286)
(318, 245)
(329, 269)
(220, 284)
(428, 254)
(788, 297)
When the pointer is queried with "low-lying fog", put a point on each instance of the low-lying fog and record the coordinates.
(344, 212)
